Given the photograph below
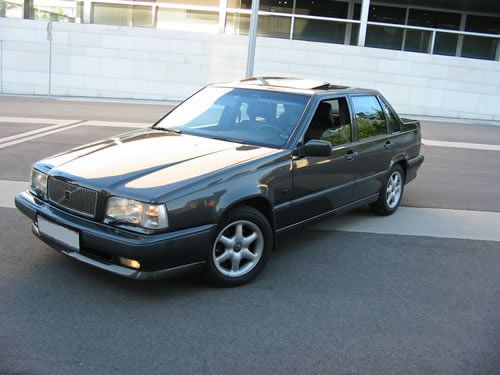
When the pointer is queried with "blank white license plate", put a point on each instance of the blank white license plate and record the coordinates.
(59, 233)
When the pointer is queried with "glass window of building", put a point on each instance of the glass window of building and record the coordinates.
(270, 26)
(434, 19)
(319, 31)
(187, 20)
(332, 9)
(386, 14)
(11, 8)
(481, 47)
(214, 3)
(122, 14)
(370, 119)
(385, 36)
(445, 43)
(279, 6)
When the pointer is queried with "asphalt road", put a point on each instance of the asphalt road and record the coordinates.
(329, 301)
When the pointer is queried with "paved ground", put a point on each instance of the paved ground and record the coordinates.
(356, 294)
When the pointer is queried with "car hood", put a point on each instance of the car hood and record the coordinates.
(149, 163)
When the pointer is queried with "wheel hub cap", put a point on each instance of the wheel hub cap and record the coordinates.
(394, 189)
(238, 248)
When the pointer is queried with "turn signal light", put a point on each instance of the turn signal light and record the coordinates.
(129, 263)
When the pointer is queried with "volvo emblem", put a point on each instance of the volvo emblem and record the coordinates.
(67, 195)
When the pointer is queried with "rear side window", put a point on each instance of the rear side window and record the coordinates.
(369, 116)
(392, 120)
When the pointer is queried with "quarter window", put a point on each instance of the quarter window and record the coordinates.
(370, 119)
(392, 120)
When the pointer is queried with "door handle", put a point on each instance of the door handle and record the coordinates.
(350, 154)
(387, 145)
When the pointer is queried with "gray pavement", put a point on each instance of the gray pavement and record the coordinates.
(81, 109)
(328, 302)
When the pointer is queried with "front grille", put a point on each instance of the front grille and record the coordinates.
(72, 197)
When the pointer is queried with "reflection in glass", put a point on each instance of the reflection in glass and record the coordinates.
(354, 34)
(384, 37)
(55, 10)
(482, 24)
(122, 14)
(434, 19)
(270, 26)
(386, 14)
(214, 3)
(279, 6)
(249, 116)
(369, 116)
(445, 44)
(334, 9)
(479, 47)
(417, 40)
(11, 8)
(187, 19)
(319, 31)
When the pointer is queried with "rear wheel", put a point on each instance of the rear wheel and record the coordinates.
(241, 247)
(391, 192)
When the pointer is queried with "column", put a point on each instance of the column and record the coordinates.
(365, 7)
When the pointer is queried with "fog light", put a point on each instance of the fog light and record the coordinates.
(129, 263)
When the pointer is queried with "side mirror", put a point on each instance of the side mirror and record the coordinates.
(315, 147)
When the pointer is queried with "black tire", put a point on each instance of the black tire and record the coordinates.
(250, 219)
(381, 206)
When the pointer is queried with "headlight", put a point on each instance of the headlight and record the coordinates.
(152, 216)
(39, 183)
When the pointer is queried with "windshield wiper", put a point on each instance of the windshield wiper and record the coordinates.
(233, 140)
(171, 130)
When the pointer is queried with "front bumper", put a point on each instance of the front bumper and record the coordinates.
(160, 255)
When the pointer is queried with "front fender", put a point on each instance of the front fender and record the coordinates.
(208, 205)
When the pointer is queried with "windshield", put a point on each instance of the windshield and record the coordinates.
(247, 116)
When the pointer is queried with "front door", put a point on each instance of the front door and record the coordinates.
(322, 184)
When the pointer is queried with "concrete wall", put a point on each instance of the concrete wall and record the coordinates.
(139, 63)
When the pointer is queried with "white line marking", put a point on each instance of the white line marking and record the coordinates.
(473, 146)
(9, 190)
(413, 221)
(117, 124)
(39, 135)
(31, 120)
(37, 131)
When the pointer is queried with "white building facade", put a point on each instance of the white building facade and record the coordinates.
(429, 58)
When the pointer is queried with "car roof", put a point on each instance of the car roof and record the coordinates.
(295, 85)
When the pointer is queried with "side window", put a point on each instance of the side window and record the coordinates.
(392, 120)
(369, 116)
(331, 122)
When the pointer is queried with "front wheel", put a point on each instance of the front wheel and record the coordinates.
(391, 192)
(241, 247)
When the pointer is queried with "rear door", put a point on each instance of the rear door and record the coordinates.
(374, 153)
(321, 184)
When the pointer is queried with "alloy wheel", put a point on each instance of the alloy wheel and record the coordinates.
(393, 190)
(238, 248)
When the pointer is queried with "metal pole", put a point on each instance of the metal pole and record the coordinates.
(252, 38)
(365, 7)
(49, 38)
(433, 42)
(1, 66)
(222, 16)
